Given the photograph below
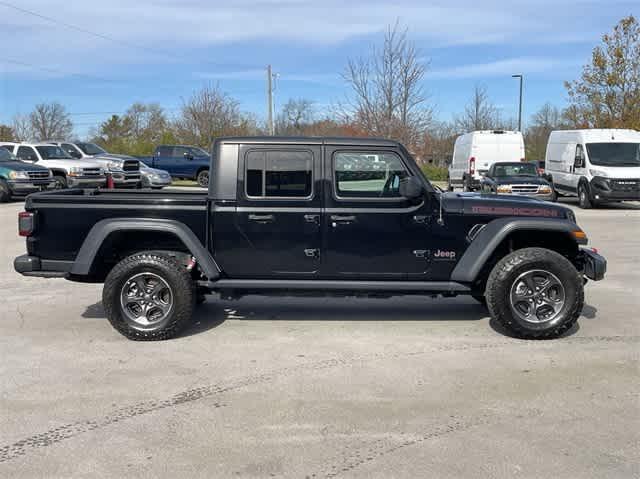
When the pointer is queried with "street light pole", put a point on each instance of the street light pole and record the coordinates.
(520, 107)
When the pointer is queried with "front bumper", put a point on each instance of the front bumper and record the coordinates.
(25, 187)
(594, 266)
(156, 182)
(611, 189)
(87, 181)
(125, 180)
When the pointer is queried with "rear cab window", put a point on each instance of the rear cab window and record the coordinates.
(279, 174)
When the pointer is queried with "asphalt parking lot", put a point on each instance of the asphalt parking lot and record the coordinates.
(283, 387)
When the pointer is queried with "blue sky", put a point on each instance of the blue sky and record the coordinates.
(162, 50)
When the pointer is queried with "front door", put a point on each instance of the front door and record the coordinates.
(278, 212)
(370, 230)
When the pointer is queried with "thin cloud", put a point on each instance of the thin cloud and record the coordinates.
(502, 67)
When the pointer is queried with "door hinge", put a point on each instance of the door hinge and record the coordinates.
(312, 253)
(421, 219)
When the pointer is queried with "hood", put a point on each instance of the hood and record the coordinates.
(491, 206)
(616, 172)
(520, 180)
(113, 156)
(21, 166)
(153, 171)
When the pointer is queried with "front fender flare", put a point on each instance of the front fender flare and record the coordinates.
(101, 230)
(488, 239)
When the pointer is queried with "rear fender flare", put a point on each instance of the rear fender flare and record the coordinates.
(489, 238)
(101, 230)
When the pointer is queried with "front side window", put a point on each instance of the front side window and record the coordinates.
(279, 174)
(180, 152)
(52, 152)
(199, 152)
(368, 175)
(614, 154)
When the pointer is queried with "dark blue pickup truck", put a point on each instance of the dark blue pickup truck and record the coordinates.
(299, 216)
(182, 162)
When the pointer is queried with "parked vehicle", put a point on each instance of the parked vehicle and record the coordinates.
(595, 165)
(67, 172)
(182, 162)
(475, 152)
(295, 216)
(124, 170)
(153, 177)
(517, 178)
(20, 179)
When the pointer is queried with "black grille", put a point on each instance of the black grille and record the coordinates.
(131, 165)
(625, 185)
(38, 175)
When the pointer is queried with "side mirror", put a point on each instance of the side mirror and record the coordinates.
(411, 188)
(579, 162)
(188, 156)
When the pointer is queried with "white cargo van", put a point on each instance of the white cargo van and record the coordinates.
(475, 152)
(595, 165)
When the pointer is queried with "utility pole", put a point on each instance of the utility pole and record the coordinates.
(270, 101)
(520, 107)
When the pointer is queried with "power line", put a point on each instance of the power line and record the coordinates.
(51, 70)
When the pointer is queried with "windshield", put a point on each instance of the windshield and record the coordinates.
(52, 152)
(7, 155)
(91, 149)
(199, 152)
(614, 154)
(515, 169)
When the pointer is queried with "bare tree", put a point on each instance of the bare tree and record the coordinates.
(209, 113)
(22, 128)
(294, 117)
(147, 121)
(50, 121)
(388, 98)
(479, 114)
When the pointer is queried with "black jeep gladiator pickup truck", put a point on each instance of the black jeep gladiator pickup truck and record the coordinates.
(325, 216)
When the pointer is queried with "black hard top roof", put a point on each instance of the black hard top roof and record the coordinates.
(308, 140)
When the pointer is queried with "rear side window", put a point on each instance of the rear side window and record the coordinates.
(164, 151)
(368, 175)
(279, 174)
(25, 152)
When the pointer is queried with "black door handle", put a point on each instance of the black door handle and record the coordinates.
(262, 218)
(343, 219)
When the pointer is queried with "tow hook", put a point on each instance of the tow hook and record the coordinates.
(191, 264)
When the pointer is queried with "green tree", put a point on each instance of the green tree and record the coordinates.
(607, 95)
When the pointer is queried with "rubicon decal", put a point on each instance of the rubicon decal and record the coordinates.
(508, 211)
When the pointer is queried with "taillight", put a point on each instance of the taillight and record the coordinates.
(472, 165)
(26, 223)
(523, 159)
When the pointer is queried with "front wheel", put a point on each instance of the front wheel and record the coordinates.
(583, 197)
(203, 178)
(60, 182)
(535, 293)
(5, 192)
(149, 297)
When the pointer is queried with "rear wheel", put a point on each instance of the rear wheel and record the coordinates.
(203, 178)
(535, 293)
(465, 185)
(449, 185)
(149, 297)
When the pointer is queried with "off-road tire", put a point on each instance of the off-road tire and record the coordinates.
(61, 182)
(583, 197)
(5, 192)
(203, 178)
(506, 272)
(173, 273)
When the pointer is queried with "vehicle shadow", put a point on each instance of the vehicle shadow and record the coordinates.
(215, 312)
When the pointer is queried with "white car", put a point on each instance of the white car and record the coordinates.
(124, 170)
(595, 165)
(475, 152)
(67, 172)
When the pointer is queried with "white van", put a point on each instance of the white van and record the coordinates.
(595, 165)
(475, 152)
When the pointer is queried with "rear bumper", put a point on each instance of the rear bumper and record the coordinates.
(33, 266)
(594, 265)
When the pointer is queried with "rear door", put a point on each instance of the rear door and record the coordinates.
(162, 159)
(370, 231)
(278, 212)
